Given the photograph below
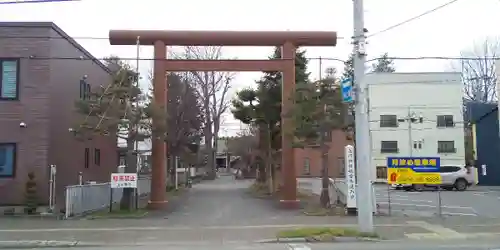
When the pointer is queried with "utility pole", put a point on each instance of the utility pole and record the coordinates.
(410, 139)
(363, 147)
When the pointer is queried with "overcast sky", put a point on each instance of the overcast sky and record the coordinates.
(443, 33)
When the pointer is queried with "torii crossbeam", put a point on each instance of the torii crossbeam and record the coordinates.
(289, 40)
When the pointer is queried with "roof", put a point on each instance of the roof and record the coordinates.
(63, 34)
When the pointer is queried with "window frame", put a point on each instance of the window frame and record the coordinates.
(454, 150)
(389, 151)
(307, 166)
(14, 159)
(97, 156)
(86, 156)
(341, 161)
(85, 89)
(382, 169)
(444, 123)
(18, 75)
(385, 123)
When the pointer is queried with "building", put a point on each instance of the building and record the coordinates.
(483, 118)
(308, 160)
(41, 80)
(415, 114)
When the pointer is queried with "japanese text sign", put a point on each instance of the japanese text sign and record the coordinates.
(413, 170)
(123, 180)
(350, 176)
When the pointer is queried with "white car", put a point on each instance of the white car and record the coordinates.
(452, 176)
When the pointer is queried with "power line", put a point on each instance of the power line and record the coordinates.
(36, 1)
(413, 18)
(436, 58)
(335, 59)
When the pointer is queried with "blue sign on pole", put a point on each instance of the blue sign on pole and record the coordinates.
(346, 87)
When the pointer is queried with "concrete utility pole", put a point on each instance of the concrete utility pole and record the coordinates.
(410, 138)
(363, 147)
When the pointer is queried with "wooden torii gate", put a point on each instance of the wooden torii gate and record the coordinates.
(289, 40)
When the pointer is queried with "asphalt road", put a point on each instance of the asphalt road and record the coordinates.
(478, 245)
(477, 201)
(224, 202)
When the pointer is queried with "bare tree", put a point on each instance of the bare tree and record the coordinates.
(212, 89)
(478, 74)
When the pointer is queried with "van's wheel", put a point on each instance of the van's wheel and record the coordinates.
(460, 185)
(418, 188)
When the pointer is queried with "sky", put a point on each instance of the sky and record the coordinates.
(445, 33)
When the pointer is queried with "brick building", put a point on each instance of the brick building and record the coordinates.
(44, 72)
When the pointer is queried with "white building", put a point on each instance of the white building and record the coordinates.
(432, 100)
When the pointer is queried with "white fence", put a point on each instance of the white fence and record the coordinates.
(82, 199)
(337, 189)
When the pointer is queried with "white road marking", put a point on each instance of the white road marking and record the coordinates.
(425, 205)
(407, 199)
(459, 214)
(298, 247)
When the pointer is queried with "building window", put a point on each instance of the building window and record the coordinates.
(97, 157)
(381, 172)
(388, 121)
(445, 121)
(84, 90)
(8, 159)
(121, 160)
(307, 166)
(9, 80)
(389, 146)
(341, 167)
(446, 147)
(87, 157)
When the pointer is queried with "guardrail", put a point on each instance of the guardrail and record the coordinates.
(83, 199)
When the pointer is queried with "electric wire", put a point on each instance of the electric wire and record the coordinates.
(413, 18)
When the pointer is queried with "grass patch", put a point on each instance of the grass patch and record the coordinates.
(175, 192)
(321, 211)
(259, 189)
(118, 214)
(323, 232)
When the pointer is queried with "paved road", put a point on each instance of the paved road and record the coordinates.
(224, 201)
(478, 202)
(440, 245)
(220, 212)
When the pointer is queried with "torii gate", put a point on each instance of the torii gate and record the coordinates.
(289, 40)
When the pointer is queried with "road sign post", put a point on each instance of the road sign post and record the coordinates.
(121, 180)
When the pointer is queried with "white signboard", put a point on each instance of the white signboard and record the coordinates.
(350, 177)
(123, 180)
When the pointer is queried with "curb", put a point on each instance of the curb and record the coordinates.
(29, 244)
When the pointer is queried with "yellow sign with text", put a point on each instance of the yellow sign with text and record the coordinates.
(408, 176)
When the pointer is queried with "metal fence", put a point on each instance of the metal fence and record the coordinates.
(337, 189)
(83, 199)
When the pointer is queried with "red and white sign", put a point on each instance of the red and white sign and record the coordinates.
(123, 180)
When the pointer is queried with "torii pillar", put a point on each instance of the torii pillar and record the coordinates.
(289, 40)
